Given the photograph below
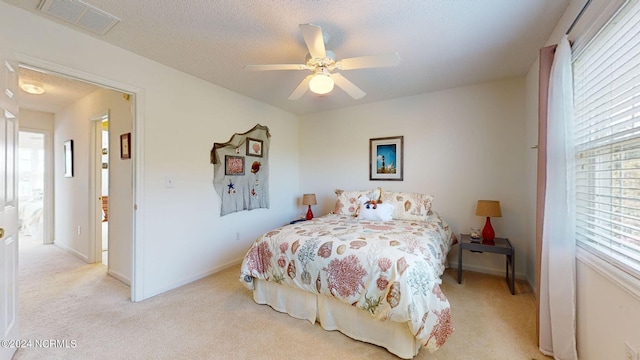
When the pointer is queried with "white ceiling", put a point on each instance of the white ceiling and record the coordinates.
(442, 43)
(59, 91)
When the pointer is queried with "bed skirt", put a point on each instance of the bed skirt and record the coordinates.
(335, 315)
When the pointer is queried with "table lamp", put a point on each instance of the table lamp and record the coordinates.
(488, 208)
(309, 199)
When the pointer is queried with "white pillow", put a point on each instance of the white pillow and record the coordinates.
(382, 212)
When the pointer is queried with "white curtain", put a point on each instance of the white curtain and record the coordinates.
(557, 273)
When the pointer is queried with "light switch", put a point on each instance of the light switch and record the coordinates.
(168, 182)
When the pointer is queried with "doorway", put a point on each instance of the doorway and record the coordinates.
(31, 188)
(101, 165)
(123, 249)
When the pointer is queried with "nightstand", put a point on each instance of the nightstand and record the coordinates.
(499, 246)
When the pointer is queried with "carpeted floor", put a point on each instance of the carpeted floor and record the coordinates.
(90, 316)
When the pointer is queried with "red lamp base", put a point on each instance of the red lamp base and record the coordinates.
(309, 213)
(487, 232)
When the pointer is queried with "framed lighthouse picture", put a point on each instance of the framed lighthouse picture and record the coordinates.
(386, 158)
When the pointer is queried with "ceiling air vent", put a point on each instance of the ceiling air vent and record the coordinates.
(81, 14)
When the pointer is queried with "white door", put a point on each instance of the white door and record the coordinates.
(8, 207)
(99, 190)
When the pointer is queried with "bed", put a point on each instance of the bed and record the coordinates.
(371, 270)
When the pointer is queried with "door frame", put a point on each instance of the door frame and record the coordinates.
(9, 233)
(95, 174)
(137, 254)
(48, 199)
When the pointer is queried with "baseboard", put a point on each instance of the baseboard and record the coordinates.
(191, 279)
(119, 276)
(72, 252)
(531, 288)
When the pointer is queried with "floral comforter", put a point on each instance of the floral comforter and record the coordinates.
(390, 269)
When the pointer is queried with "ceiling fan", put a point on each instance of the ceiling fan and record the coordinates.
(323, 64)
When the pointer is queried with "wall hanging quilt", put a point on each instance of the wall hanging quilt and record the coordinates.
(241, 170)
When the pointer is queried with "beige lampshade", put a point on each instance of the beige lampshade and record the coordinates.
(309, 199)
(490, 208)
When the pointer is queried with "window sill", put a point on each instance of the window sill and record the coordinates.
(620, 278)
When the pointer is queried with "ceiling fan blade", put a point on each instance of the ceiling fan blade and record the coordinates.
(361, 62)
(275, 67)
(347, 86)
(312, 35)
(301, 89)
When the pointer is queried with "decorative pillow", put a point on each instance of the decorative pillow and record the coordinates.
(382, 212)
(347, 201)
(409, 206)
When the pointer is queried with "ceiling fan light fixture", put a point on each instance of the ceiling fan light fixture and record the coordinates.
(323, 63)
(321, 84)
(32, 87)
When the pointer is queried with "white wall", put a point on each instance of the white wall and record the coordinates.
(72, 193)
(181, 236)
(461, 145)
(37, 120)
(607, 315)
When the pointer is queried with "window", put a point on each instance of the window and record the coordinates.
(607, 139)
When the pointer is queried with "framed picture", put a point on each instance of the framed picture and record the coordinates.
(254, 147)
(233, 165)
(125, 146)
(386, 158)
(68, 158)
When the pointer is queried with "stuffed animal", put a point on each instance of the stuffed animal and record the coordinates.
(374, 210)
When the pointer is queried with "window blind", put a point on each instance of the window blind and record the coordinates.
(607, 138)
